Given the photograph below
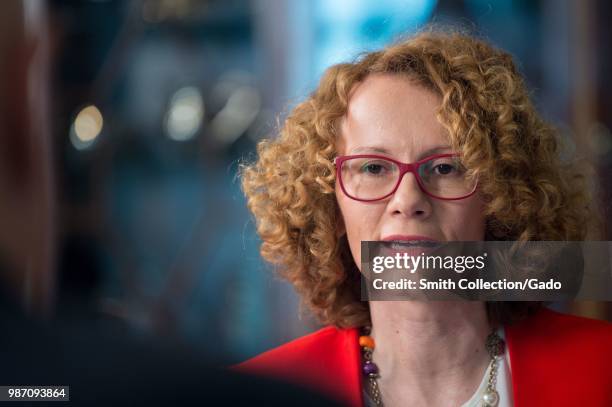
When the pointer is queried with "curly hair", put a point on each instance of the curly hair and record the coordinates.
(530, 191)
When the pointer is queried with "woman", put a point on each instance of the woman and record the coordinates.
(448, 102)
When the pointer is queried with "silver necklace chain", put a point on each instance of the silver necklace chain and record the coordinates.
(495, 347)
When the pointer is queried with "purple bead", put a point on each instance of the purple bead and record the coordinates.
(370, 368)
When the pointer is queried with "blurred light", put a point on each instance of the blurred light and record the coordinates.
(227, 84)
(185, 114)
(237, 115)
(352, 10)
(349, 27)
(86, 127)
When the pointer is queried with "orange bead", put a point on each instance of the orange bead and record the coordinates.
(366, 341)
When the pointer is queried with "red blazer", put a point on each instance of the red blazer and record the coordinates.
(555, 360)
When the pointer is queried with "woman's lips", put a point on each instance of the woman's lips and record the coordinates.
(407, 238)
(410, 248)
(412, 245)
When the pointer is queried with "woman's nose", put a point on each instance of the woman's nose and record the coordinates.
(409, 199)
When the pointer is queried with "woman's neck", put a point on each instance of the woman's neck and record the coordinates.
(429, 350)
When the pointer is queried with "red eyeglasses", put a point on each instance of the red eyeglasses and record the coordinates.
(370, 177)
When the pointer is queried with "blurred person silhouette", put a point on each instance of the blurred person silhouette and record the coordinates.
(104, 364)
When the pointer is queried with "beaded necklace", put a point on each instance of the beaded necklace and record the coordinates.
(495, 347)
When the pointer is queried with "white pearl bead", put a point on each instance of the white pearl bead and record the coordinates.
(490, 398)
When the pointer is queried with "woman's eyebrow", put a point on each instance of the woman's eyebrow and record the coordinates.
(383, 150)
(434, 150)
(366, 149)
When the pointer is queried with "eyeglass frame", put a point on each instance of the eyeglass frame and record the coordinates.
(404, 168)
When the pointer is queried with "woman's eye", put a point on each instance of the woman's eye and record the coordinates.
(373, 168)
(444, 169)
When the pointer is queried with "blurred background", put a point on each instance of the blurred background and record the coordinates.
(122, 124)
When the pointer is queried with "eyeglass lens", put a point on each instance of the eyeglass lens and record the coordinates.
(374, 178)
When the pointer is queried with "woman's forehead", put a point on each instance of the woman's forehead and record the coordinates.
(388, 112)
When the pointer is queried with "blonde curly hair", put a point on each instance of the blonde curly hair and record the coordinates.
(529, 191)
